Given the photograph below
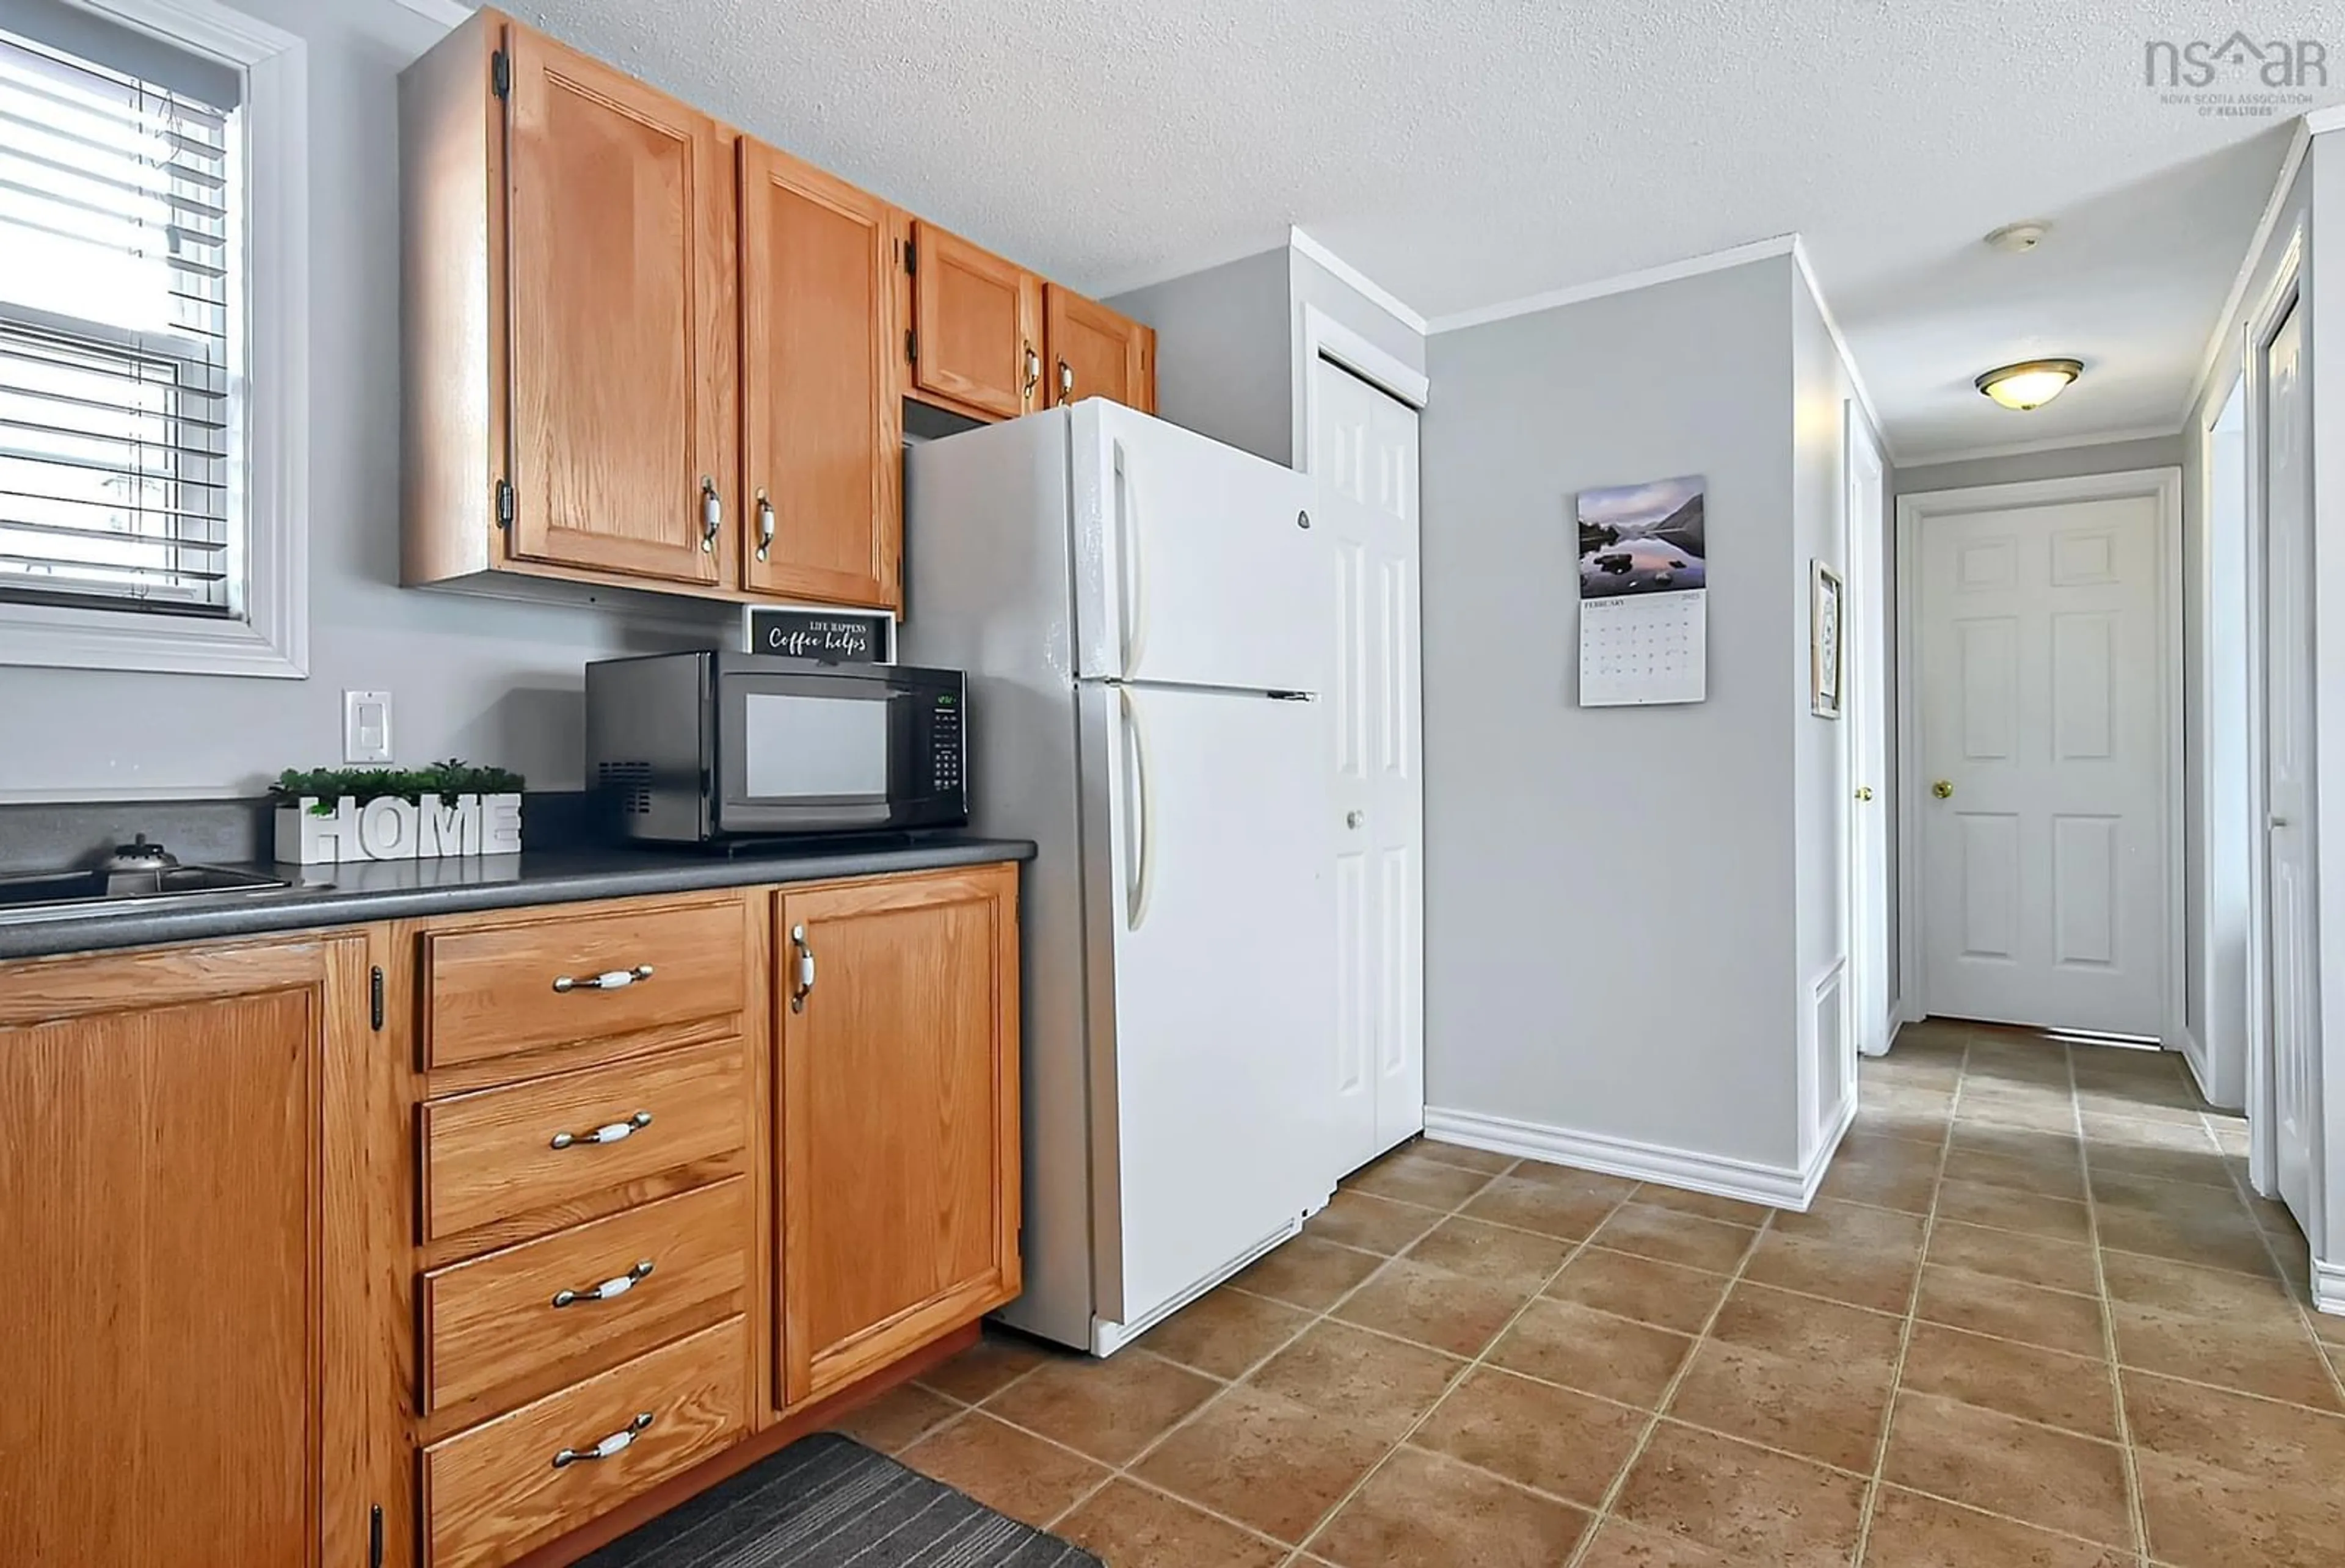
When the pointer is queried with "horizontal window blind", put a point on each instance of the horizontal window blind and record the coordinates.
(118, 298)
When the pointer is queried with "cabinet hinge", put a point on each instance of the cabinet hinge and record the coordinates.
(912, 346)
(505, 503)
(912, 258)
(500, 73)
(374, 1520)
(374, 998)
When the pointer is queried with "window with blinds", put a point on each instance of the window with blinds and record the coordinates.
(120, 301)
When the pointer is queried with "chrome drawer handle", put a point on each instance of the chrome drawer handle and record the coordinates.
(609, 1290)
(610, 1132)
(608, 980)
(618, 1443)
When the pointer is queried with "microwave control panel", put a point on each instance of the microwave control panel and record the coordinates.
(945, 732)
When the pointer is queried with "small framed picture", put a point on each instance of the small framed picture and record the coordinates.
(1824, 641)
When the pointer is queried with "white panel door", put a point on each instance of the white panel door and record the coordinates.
(1864, 669)
(2042, 647)
(2287, 760)
(1363, 455)
(1195, 563)
(1212, 1009)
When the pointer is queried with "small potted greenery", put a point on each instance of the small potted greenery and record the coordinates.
(326, 814)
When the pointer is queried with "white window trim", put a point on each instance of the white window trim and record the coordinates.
(273, 637)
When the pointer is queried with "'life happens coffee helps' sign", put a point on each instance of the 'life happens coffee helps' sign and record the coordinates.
(833, 637)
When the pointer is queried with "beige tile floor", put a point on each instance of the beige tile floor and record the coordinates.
(2034, 1320)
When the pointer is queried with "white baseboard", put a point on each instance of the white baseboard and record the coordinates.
(1776, 1186)
(2194, 1057)
(2329, 1287)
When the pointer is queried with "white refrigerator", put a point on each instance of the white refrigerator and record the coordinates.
(1146, 620)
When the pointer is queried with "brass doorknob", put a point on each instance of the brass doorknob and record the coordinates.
(1865, 792)
(1944, 789)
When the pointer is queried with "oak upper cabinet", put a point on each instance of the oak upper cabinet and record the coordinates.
(570, 325)
(977, 323)
(182, 1209)
(821, 457)
(619, 280)
(896, 1143)
(1096, 353)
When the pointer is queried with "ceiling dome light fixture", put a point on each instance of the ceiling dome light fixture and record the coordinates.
(2031, 383)
(2018, 238)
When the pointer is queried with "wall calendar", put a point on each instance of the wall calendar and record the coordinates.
(1643, 595)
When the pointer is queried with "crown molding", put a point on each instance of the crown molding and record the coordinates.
(1360, 282)
(2219, 342)
(1620, 283)
(450, 13)
(1840, 342)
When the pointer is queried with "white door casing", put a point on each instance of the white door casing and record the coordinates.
(1363, 455)
(2290, 948)
(1865, 669)
(2040, 693)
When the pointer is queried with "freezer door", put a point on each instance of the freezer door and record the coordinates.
(1212, 986)
(1195, 563)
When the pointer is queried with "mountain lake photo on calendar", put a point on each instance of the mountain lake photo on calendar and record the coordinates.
(1642, 539)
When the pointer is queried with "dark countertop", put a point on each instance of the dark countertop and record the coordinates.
(359, 891)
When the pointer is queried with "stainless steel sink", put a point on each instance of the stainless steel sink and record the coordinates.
(114, 884)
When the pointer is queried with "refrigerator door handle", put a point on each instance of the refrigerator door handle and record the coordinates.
(1143, 814)
(1129, 562)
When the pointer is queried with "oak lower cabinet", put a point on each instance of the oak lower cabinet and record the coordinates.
(184, 1212)
(897, 1117)
(661, 1220)
(1096, 352)
(462, 1240)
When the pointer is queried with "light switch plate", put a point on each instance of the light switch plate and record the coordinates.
(366, 726)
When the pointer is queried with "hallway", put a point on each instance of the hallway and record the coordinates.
(2034, 1318)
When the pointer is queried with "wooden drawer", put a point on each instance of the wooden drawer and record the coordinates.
(584, 1296)
(493, 991)
(495, 1491)
(501, 1152)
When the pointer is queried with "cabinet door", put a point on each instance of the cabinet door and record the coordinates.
(979, 326)
(897, 1005)
(1096, 353)
(192, 1282)
(622, 356)
(822, 458)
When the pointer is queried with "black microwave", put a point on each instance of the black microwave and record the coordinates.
(692, 748)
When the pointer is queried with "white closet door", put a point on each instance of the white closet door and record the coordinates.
(1363, 455)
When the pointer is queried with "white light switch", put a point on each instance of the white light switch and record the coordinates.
(366, 726)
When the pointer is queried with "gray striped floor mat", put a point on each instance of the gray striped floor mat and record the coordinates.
(827, 1501)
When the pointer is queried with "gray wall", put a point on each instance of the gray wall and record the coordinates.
(2063, 462)
(1230, 359)
(1606, 945)
(1222, 351)
(493, 682)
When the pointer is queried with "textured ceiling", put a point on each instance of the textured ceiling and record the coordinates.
(1464, 155)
